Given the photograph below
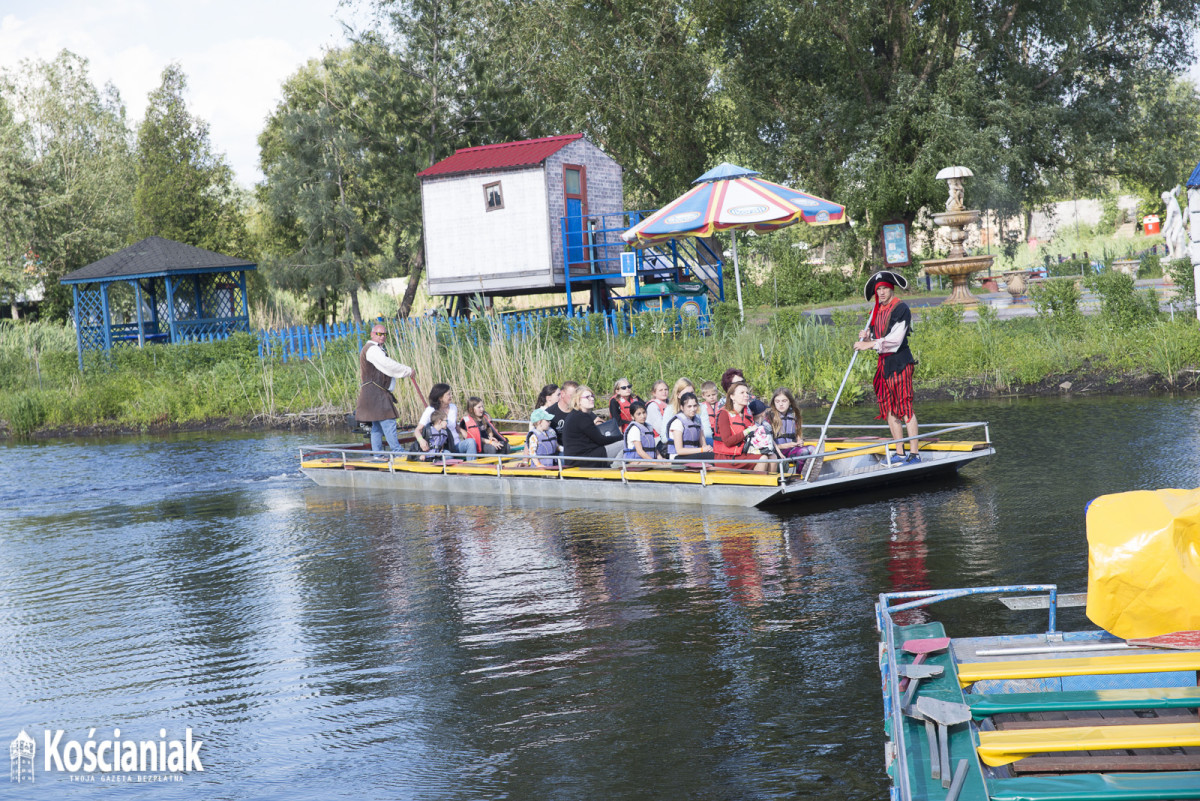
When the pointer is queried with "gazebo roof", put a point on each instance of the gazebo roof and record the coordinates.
(154, 257)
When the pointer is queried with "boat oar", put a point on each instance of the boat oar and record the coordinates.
(923, 648)
(960, 777)
(914, 673)
(817, 453)
(945, 714)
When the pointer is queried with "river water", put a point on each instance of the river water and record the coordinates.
(324, 644)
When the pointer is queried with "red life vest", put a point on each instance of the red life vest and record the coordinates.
(623, 405)
(473, 431)
(738, 423)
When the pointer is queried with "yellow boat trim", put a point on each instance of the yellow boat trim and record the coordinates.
(1003, 747)
(665, 476)
(970, 672)
(745, 478)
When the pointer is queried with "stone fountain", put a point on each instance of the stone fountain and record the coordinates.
(959, 265)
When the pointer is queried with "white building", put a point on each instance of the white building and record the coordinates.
(494, 216)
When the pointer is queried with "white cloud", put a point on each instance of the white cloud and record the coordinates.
(235, 54)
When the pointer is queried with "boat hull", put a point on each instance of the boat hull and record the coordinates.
(843, 476)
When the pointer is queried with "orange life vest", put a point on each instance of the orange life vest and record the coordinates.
(473, 431)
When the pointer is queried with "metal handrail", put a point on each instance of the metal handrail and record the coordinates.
(944, 428)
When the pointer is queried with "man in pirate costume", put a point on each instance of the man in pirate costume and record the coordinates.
(887, 335)
(376, 403)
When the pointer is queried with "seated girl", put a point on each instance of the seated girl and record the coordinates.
(656, 407)
(541, 443)
(434, 438)
(640, 438)
(477, 427)
(685, 432)
(786, 424)
(622, 399)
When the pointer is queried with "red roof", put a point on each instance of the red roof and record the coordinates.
(499, 157)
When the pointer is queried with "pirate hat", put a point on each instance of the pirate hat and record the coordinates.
(887, 277)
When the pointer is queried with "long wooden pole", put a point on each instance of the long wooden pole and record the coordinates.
(824, 429)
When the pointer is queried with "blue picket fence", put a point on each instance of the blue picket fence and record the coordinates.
(308, 341)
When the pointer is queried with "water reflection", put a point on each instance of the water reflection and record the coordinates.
(333, 644)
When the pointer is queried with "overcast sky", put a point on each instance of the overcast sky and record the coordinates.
(235, 53)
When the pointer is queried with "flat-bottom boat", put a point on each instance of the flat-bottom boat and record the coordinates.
(844, 464)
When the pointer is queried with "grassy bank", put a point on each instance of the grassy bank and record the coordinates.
(41, 387)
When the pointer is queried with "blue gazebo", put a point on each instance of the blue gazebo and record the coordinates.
(181, 293)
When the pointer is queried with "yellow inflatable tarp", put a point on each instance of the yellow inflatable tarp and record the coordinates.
(1144, 562)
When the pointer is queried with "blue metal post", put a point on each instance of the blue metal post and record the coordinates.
(566, 265)
(107, 321)
(245, 302)
(171, 309)
(137, 300)
(78, 333)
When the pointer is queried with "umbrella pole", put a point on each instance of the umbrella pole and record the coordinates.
(737, 279)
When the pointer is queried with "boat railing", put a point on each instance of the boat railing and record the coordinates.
(925, 431)
(446, 460)
(501, 460)
(889, 604)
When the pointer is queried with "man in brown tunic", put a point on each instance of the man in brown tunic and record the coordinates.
(376, 403)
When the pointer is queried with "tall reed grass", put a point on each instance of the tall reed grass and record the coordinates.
(139, 388)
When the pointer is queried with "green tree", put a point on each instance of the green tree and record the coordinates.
(185, 191)
(82, 169)
(327, 191)
(863, 101)
(16, 200)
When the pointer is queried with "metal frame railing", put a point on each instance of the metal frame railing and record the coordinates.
(937, 430)
(511, 458)
(913, 599)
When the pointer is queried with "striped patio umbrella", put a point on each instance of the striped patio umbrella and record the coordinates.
(732, 198)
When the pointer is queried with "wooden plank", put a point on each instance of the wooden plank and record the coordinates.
(1106, 763)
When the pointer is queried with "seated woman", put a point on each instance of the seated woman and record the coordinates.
(434, 438)
(685, 433)
(477, 426)
(541, 443)
(581, 436)
(733, 376)
(621, 401)
(733, 423)
(548, 396)
(656, 407)
(786, 424)
(640, 438)
(441, 398)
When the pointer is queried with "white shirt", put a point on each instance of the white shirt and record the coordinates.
(451, 420)
(387, 365)
(657, 419)
(892, 341)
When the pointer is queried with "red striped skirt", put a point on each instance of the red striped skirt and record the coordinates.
(895, 393)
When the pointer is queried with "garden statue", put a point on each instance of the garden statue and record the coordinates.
(1173, 226)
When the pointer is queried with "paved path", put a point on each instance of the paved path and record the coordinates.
(1002, 302)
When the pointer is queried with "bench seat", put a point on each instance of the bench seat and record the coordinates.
(971, 672)
(1161, 786)
(1003, 747)
(983, 706)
